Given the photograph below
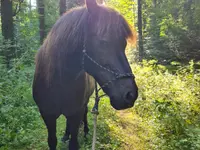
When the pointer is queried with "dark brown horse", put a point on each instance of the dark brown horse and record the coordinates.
(85, 43)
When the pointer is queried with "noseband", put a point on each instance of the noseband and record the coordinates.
(116, 75)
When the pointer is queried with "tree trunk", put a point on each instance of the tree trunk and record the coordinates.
(141, 48)
(40, 6)
(30, 7)
(7, 28)
(155, 28)
(154, 24)
(189, 10)
(62, 6)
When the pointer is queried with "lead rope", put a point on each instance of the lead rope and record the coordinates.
(95, 113)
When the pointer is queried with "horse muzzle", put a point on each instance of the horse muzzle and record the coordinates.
(127, 101)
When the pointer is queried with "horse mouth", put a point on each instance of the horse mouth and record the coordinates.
(120, 106)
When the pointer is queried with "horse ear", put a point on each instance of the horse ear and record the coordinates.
(91, 5)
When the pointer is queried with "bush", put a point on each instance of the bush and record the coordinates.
(165, 117)
(169, 106)
(18, 117)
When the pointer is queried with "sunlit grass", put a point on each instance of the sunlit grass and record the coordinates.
(165, 116)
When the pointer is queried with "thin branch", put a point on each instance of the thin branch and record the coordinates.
(18, 7)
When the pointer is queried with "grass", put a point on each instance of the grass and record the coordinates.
(165, 116)
(22, 128)
(115, 131)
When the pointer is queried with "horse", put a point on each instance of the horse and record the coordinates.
(84, 122)
(85, 44)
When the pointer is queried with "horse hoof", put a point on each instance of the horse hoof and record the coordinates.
(65, 138)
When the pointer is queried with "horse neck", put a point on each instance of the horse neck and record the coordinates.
(74, 65)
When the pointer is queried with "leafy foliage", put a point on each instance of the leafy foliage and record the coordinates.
(125, 7)
(169, 106)
(19, 115)
(166, 115)
(51, 13)
(170, 30)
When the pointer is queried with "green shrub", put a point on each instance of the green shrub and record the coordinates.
(169, 106)
(19, 116)
(165, 117)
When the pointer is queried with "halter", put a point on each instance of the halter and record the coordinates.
(116, 77)
(97, 97)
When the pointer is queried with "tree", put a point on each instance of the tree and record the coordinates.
(7, 29)
(141, 48)
(62, 7)
(30, 7)
(155, 29)
(40, 6)
(7, 19)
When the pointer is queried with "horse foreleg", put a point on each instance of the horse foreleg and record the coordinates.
(50, 122)
(74, 123)
(86, 129)
(67, 133)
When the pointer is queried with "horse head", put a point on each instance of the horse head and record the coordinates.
(105, 40)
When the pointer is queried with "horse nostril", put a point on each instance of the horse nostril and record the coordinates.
(129, 96)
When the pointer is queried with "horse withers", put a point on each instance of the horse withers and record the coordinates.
(86, 43)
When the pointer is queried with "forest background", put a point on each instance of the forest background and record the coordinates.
(165, 62)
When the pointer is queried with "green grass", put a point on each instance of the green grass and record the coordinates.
(22, 128)
(114, 131)
(165, 116)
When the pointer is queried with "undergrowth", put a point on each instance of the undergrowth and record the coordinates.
(165, 116)
(169, 106)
